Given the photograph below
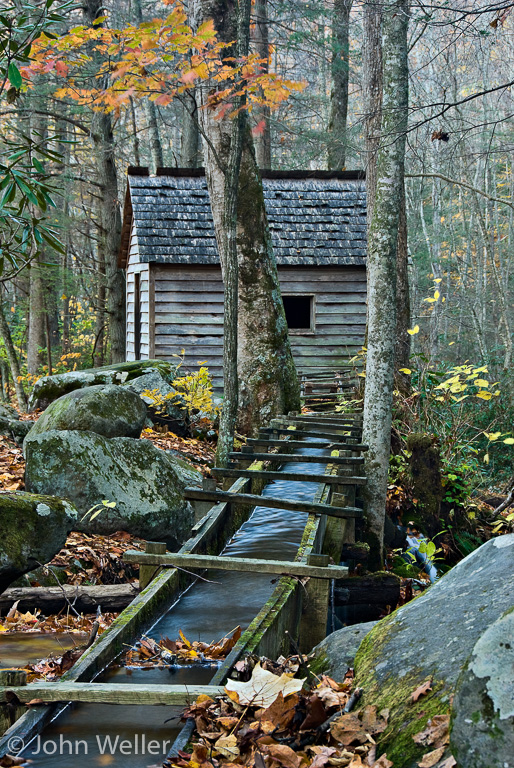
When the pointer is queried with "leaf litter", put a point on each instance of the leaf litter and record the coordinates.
(149, 653)
(270, 719)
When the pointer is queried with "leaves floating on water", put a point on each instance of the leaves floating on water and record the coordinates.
(263, 687)
(150, 653)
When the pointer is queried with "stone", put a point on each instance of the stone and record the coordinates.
(146, 483)
(49, 388)
(431, 638)
(34, 528)
(172, 411)
(15, 428)
(111, 411)
(482, 728)
(336, 653)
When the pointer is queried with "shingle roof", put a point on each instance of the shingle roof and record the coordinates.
(315, 218)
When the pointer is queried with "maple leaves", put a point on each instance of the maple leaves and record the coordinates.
(160, 59)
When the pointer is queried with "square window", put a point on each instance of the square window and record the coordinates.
(299, 312)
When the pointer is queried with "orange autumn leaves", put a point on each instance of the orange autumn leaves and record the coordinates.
(160, 59)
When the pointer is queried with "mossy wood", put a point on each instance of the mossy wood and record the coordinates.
(334, 437)
(272, 442)
(273, 503)
(110, 693)
(303, 458)
(243, 564)
(266, 474)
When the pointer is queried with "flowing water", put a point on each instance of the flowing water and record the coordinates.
(89, 735)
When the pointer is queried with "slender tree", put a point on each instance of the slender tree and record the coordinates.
(262, 113)
(340, 79)
(382, 266)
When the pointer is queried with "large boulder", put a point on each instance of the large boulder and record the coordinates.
(431, 639)
(34, 528)
(111, 411)
(482, 733)
(336, 653)
(49, 388)
(146, 483)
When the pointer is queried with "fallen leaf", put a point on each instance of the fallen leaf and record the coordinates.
(284, 755)
(448, 763)
(281, 712)
(436, 732)
(421, 690)
(263, 687)
(431, 758)
(348, 729)
(226, 746)
(383, 762)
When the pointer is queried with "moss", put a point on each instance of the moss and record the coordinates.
(406, 717)
(319, 664)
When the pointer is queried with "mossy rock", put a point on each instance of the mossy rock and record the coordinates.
(431, 638)
(336, 653)
(34, 528)
(110, 411)
(482, 728)
(146, 483)
(49, 388)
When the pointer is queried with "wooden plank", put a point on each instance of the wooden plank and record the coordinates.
(188, 319)
(85, 599)
(337, 439)
(112, 693)
(297, 457)
(243, 564)
(272, 503)
(351, 429)
(274, 475)
(151, 314)
(298, 443)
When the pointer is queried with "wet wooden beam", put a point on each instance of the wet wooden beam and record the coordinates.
(243, 564)
(110, 693)
(299, 443)
(333, 436)
(298, 457)
(275, 475)
(254, 499)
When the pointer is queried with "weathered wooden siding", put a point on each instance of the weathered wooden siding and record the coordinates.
(189, 314)
(133, 267)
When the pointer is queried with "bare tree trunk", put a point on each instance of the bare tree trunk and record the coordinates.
(103, 138)
(36, 335)
(262, 113)
(190, 136)
(340, 79)
(267, 377)
(14, 364)
(403, 322)
(372, 74)
(382, 269)
(150, 109)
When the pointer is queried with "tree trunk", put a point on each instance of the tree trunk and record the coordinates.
(340, 79)
(190, 137)
(36, 336)
(382, 268)
(14, 364)
(150, 110)
(268, 382)
(372, 74)
(262, 112)
(403, 322)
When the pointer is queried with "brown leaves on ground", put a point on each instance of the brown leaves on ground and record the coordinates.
(150, 653)
(302, 728)
(12, 466)
(66, 621)
(198, 452)
(94, 559)
(435, 735)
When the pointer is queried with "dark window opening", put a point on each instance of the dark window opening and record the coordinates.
(299, 312)
(137, 316)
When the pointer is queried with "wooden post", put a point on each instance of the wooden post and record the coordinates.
(148, 572)
(11, 709)
(245, 457)
(313, 623)
(201, 508)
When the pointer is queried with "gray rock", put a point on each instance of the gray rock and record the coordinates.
(110, 411)
(49, 388)
(482, 734)
(34, 528)
(146, 483)
(431, 638)
(336, 653)
(15, 428)
(172, 410)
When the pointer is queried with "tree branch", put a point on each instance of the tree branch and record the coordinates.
(460, 184)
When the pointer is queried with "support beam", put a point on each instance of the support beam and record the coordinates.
(146, 572)
(275, 475)
(244, 564)
(299, 457)
(254, 499)
(298, 443)
(110, 693)
(333, 436)
(351, 428)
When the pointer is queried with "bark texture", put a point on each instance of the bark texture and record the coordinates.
(12, 357)
(372, 72)
(262, 113)
(382, 267)
(340, 79)
(36, 336)
(110, 220)
(266, 374)
(150, 111)
(190, 139)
